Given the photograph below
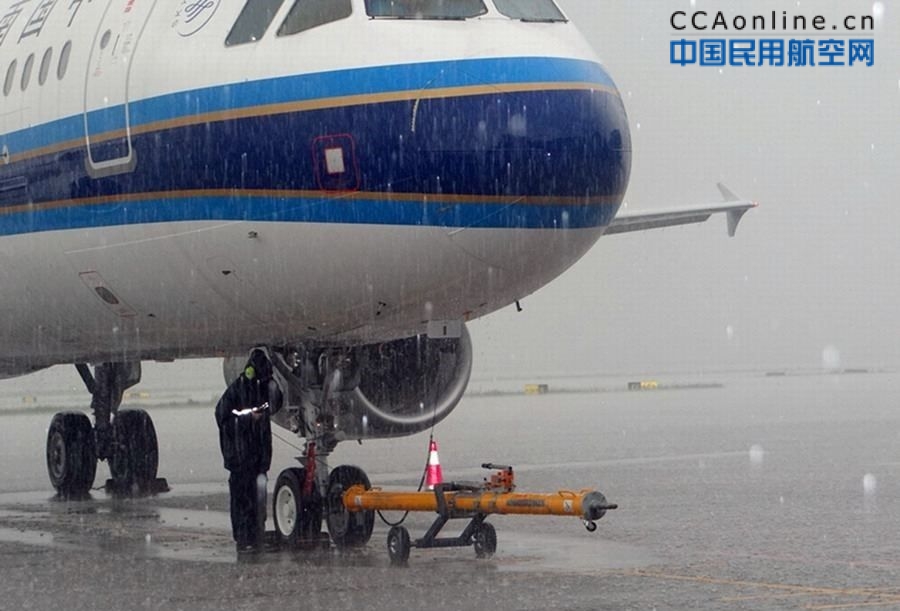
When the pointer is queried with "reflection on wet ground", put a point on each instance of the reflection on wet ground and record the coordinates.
(763, 494)
(170, 528)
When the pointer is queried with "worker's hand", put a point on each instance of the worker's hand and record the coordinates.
(256, 414)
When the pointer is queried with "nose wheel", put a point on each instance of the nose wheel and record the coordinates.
(298, 516)
(347, 529)
(298, 508)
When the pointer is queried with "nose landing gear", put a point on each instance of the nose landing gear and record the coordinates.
(298, 507)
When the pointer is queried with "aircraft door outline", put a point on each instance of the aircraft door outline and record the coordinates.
(107, 126)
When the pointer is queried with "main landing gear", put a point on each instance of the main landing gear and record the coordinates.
(126, 439)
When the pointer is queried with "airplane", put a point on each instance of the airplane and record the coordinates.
(343, 183)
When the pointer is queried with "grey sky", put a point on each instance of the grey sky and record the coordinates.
(814, 266)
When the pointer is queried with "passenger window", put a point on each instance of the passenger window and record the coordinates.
(10, 78)
(45, 66)
(26, 71)
(307, 14)
(425, 9)
(530, 10)
(253, 21)
(64, 60)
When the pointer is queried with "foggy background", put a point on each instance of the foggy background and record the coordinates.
(809, 281)
(812, 272)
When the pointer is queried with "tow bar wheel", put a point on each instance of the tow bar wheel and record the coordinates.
(485, 540)
(398, 545)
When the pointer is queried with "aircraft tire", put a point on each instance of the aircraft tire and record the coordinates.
(485, 541)
(135, 456)
(71, 454)
(398, 545)
(298, 518)
(347, 529)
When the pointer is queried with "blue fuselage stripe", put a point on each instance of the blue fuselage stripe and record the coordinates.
(541, 157)
(318, 86)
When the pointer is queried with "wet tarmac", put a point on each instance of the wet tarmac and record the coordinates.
(764, 493)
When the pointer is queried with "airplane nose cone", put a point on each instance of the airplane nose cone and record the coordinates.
(552, 156)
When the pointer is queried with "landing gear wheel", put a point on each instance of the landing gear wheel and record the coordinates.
(135, 455)
(398, 545)
(71, 454)
(298, 518)
(485, 540)
(347, 529)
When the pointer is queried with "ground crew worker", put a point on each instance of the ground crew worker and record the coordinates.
(245, 437)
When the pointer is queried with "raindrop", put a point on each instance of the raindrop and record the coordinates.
(878, 11)
(870, 484)
(147, 538)
(756, 454)
(518, 125)
(831, 358)
(729, 332)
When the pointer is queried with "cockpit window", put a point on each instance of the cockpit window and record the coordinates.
(425, 9)
(253, 21)
(530, 10)
(307, 14)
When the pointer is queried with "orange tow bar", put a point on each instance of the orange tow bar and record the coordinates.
(456, 500)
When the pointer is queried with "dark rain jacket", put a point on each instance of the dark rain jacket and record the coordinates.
(246, 442)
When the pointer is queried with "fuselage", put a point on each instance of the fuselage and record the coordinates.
(175, 184)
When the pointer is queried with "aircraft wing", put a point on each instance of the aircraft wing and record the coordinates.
(733, 207)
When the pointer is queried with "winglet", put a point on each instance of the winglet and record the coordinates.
(727, 194)
(735, 215)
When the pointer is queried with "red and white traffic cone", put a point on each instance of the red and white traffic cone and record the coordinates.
(433, 475)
